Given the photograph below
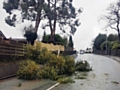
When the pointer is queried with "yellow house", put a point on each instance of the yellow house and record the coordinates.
(51, 47)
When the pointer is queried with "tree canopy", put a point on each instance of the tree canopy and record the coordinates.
(30, 34)
(106, 45)
(113, 17)
(98, 41)
(61, 12)
(102, 42)
(58, 39)
(112, 37)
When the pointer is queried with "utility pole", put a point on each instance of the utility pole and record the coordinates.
(106, 41)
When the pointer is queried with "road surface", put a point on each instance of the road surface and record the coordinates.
(105, 75)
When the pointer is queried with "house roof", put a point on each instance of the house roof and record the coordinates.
(2, 35)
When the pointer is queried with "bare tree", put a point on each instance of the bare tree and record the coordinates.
(113, 17)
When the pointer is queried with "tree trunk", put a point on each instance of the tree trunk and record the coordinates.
(52, 37)
(119, 36)
(38, 19)
(37, 22)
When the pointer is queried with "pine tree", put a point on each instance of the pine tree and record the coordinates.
(70, 44)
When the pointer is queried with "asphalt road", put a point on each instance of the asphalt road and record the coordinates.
(105, 75)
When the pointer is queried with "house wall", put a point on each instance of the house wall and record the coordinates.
(51, 47)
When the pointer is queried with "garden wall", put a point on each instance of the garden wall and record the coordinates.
(8, 70)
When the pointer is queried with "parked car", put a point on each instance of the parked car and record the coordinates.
(81, 51)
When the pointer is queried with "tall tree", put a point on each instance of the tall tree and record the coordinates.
(28, 9)
(55, 11)
(112, 37)
(71, 44)
(98, 41)
(113, 17)
(44, 36)
(62, 13)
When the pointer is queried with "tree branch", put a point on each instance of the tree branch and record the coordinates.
(113, 27)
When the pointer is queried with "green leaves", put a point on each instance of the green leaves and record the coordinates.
(10, 5)
(27, 70)
(98, 41)
(70, 0)
(30, 34)
(83, 66)
(57, 39)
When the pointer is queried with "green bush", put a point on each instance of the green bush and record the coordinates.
(27, 70)
(65, 80)
(37, 54)
(116, 45)
(82, 66)
(58, 64)
(47, 73)
(103, 45)
(58, 40)
(33, 52)
(44, 57)
(69, 67)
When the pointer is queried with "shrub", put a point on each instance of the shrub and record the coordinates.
(47, 73)
(37, 54)
(58, 40)
(33, 52)
(44, 57)
(27, 70)
(58, 63)
(103, 45)
(66, 80)
(69, 67)
(116, 45)
(82, 66)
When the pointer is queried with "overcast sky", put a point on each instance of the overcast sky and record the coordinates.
(90, 26)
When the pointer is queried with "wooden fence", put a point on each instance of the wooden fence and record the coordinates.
(10, 47)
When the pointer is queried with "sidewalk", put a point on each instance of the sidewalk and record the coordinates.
(115, 58)
(18, 84)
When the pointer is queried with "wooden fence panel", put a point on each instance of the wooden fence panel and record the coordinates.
(11, 48)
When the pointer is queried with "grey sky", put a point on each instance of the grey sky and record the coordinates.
(90, 26)
(86, 32)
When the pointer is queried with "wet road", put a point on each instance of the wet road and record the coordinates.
(105, 75)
